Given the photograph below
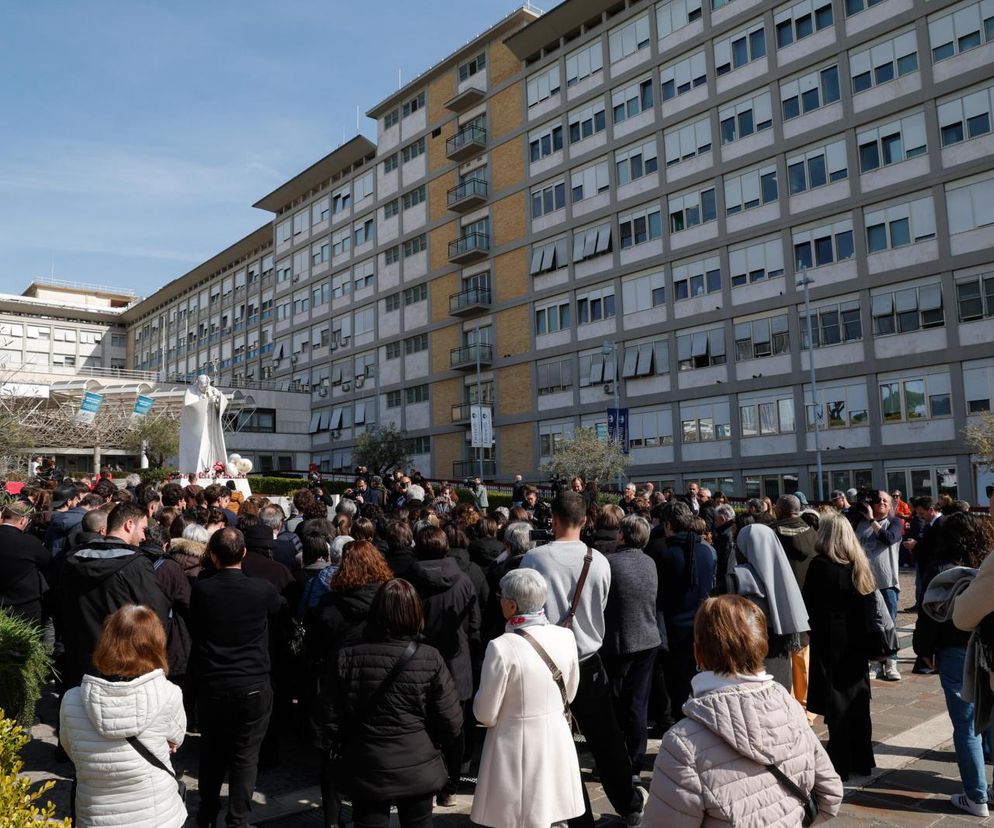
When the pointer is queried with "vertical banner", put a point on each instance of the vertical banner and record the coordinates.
(476, 426)
(487, 427)
(617, 427)
(142, 406)
(88, 410)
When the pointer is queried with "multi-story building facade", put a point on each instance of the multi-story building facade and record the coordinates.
(629, 198)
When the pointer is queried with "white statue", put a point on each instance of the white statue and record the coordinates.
(201, 437)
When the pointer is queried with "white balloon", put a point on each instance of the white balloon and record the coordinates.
(231, 470)
(246, 466)
(234, 458)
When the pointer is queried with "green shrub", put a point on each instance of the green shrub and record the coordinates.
(288, 486)
(19, 806)
(24, 665)
(155, 476)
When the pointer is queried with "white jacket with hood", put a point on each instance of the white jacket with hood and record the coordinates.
(116, 786)
(710, 770)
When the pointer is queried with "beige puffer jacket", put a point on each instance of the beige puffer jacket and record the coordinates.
(710, 772)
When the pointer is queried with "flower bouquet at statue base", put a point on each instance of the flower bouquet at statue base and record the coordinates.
(236, 467)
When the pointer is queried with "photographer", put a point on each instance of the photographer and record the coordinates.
(538, 510)
(479, 493)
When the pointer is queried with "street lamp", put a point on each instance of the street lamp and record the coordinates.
(806, 281)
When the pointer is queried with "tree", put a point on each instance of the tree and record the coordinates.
(160, 436)
(382, 449)
(587, 456)
(979, 438)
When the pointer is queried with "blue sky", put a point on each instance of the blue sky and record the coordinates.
(135, 135)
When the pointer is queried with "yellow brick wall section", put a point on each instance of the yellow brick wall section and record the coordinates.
(508, 163)
(511, 277)
(436, 146)
(513, 333)
(437, 195)
(442, 288)
(515, 448)
(444, 395)
(440, 90)
(503, 63)
(445, 450)
(442, 342)
(438, 241)
(513, 391)
(509, 219)
(505, 110)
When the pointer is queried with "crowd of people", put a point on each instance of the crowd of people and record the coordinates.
(411, 637)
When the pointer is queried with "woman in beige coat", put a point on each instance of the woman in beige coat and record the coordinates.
(529, 774)
(711, 767)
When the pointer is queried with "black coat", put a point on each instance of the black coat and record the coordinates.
(798, 541)
(23, 562)
(175, 586)
(838, 685)
(484, 551)
(724, 548)
(394, 750)
(339, 619)
(474, 572)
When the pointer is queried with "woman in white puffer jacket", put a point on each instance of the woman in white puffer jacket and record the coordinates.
(116, 786)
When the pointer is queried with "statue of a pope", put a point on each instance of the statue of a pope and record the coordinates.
(201, 437)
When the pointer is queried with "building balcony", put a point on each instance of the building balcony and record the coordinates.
(470, 301)
(465, 99)
(461, 412)
(469, 248)
(468, 355)
(468, 194)
(467, 142)
(471, 468)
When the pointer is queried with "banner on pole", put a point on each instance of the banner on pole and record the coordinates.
(617, 427)
(91, 405)
(142, 406)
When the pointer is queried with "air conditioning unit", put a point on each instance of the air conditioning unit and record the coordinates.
(336, 434)
(322, 391)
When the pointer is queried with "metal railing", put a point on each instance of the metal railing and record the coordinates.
(467, 354)
(471, 242)
(470, 188)
(465, 138)
(469, 298)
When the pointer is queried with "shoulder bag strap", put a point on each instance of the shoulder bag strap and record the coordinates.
(385, 685)
(150, 757)
(557, 674)
(810, 806)
(571, 612)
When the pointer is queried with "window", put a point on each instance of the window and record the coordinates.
(283, 231)
(284, 270)
(391, 208)
(320, 294)
(700, 349)
(801, 21)
(640, 226)
(644, 359)
(900, 225)
(413, 150)
(415, 344)
(595, 305)
(761, 338)
(737, 50)
(549, 256)
(767, 417)
(584, 62)
(856, 6)
(416, 103)
(823, 245)
(321, 210)
(471, 67)
(966, 28)
(589, 181)
(260, 420)
(841, 406)
(413, 197)
(413, 295)
(585, 122)
(907, 310)
(364, 321)
(391, 162)
(591, 241)
(683, 76)
(975, 297)
(967, 117)
(628, 38)
(391, 303)
(320, 252)
(970, 204)
(341, 199)
(421, 445)
(745, 117)
(393, 350)
(391, 255)
(544, 85)
(691, 209)
(675, 14)
(393, 399)
(919, 398)
(362, 187)
(363, 275)
(817, 167)
(392, 118)
(552, 317)
(834, 324)
(977, 387)
(750, 189)
(892, 143)
(883, 62)
(544, 142)
(755, 262)
(341, 285)
(418, 244)
(809, 92)
(548, 199)
(705, 421)
(650, 429)
(696, 278)
(341, 242)
(687, 140)
(416, 394)
(554, 376)
(643, 292)
(631, 100)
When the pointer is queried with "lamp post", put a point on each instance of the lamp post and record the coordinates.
(805, 281)
(610, 349)
(479, 402)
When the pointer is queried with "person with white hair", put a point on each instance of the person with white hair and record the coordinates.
(529, 774)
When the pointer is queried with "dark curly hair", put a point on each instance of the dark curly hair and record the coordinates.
(965, 539)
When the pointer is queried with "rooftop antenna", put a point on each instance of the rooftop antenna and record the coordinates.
(357, 119)
(400, 83)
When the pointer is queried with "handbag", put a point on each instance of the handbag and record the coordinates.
(154, 760)
(557, 674)
(808, 801)
(881, 635)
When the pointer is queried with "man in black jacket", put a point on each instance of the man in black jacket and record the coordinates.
(23, 562)
(99, 579)
(229, 617)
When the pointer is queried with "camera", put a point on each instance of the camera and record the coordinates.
(541, 536)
